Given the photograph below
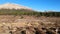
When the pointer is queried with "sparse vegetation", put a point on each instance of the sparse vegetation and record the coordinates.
(29, 22)
(28, 12)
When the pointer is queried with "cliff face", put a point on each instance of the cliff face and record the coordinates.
(10, 24)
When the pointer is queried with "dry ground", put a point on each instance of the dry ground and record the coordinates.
(10, 24)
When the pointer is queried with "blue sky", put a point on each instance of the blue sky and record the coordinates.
(37, 4)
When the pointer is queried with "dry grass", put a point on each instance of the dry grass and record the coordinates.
(16, 24)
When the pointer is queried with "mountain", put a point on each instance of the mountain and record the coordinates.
(12, 6)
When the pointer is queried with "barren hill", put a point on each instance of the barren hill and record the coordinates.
(12, 6)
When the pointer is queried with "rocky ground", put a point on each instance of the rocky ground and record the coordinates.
(10, 24)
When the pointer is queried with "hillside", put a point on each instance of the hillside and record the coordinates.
(13, 6)
(15, 9)
(16, 19)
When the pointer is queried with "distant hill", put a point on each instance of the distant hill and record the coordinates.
(15, 9)
(13, 6)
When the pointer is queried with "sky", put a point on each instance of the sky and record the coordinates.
(40, 5)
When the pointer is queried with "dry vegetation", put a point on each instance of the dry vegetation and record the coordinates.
(29, 22)
(11, 24)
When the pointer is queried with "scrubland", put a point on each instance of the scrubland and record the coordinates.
(11, 24)
(29, 22)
